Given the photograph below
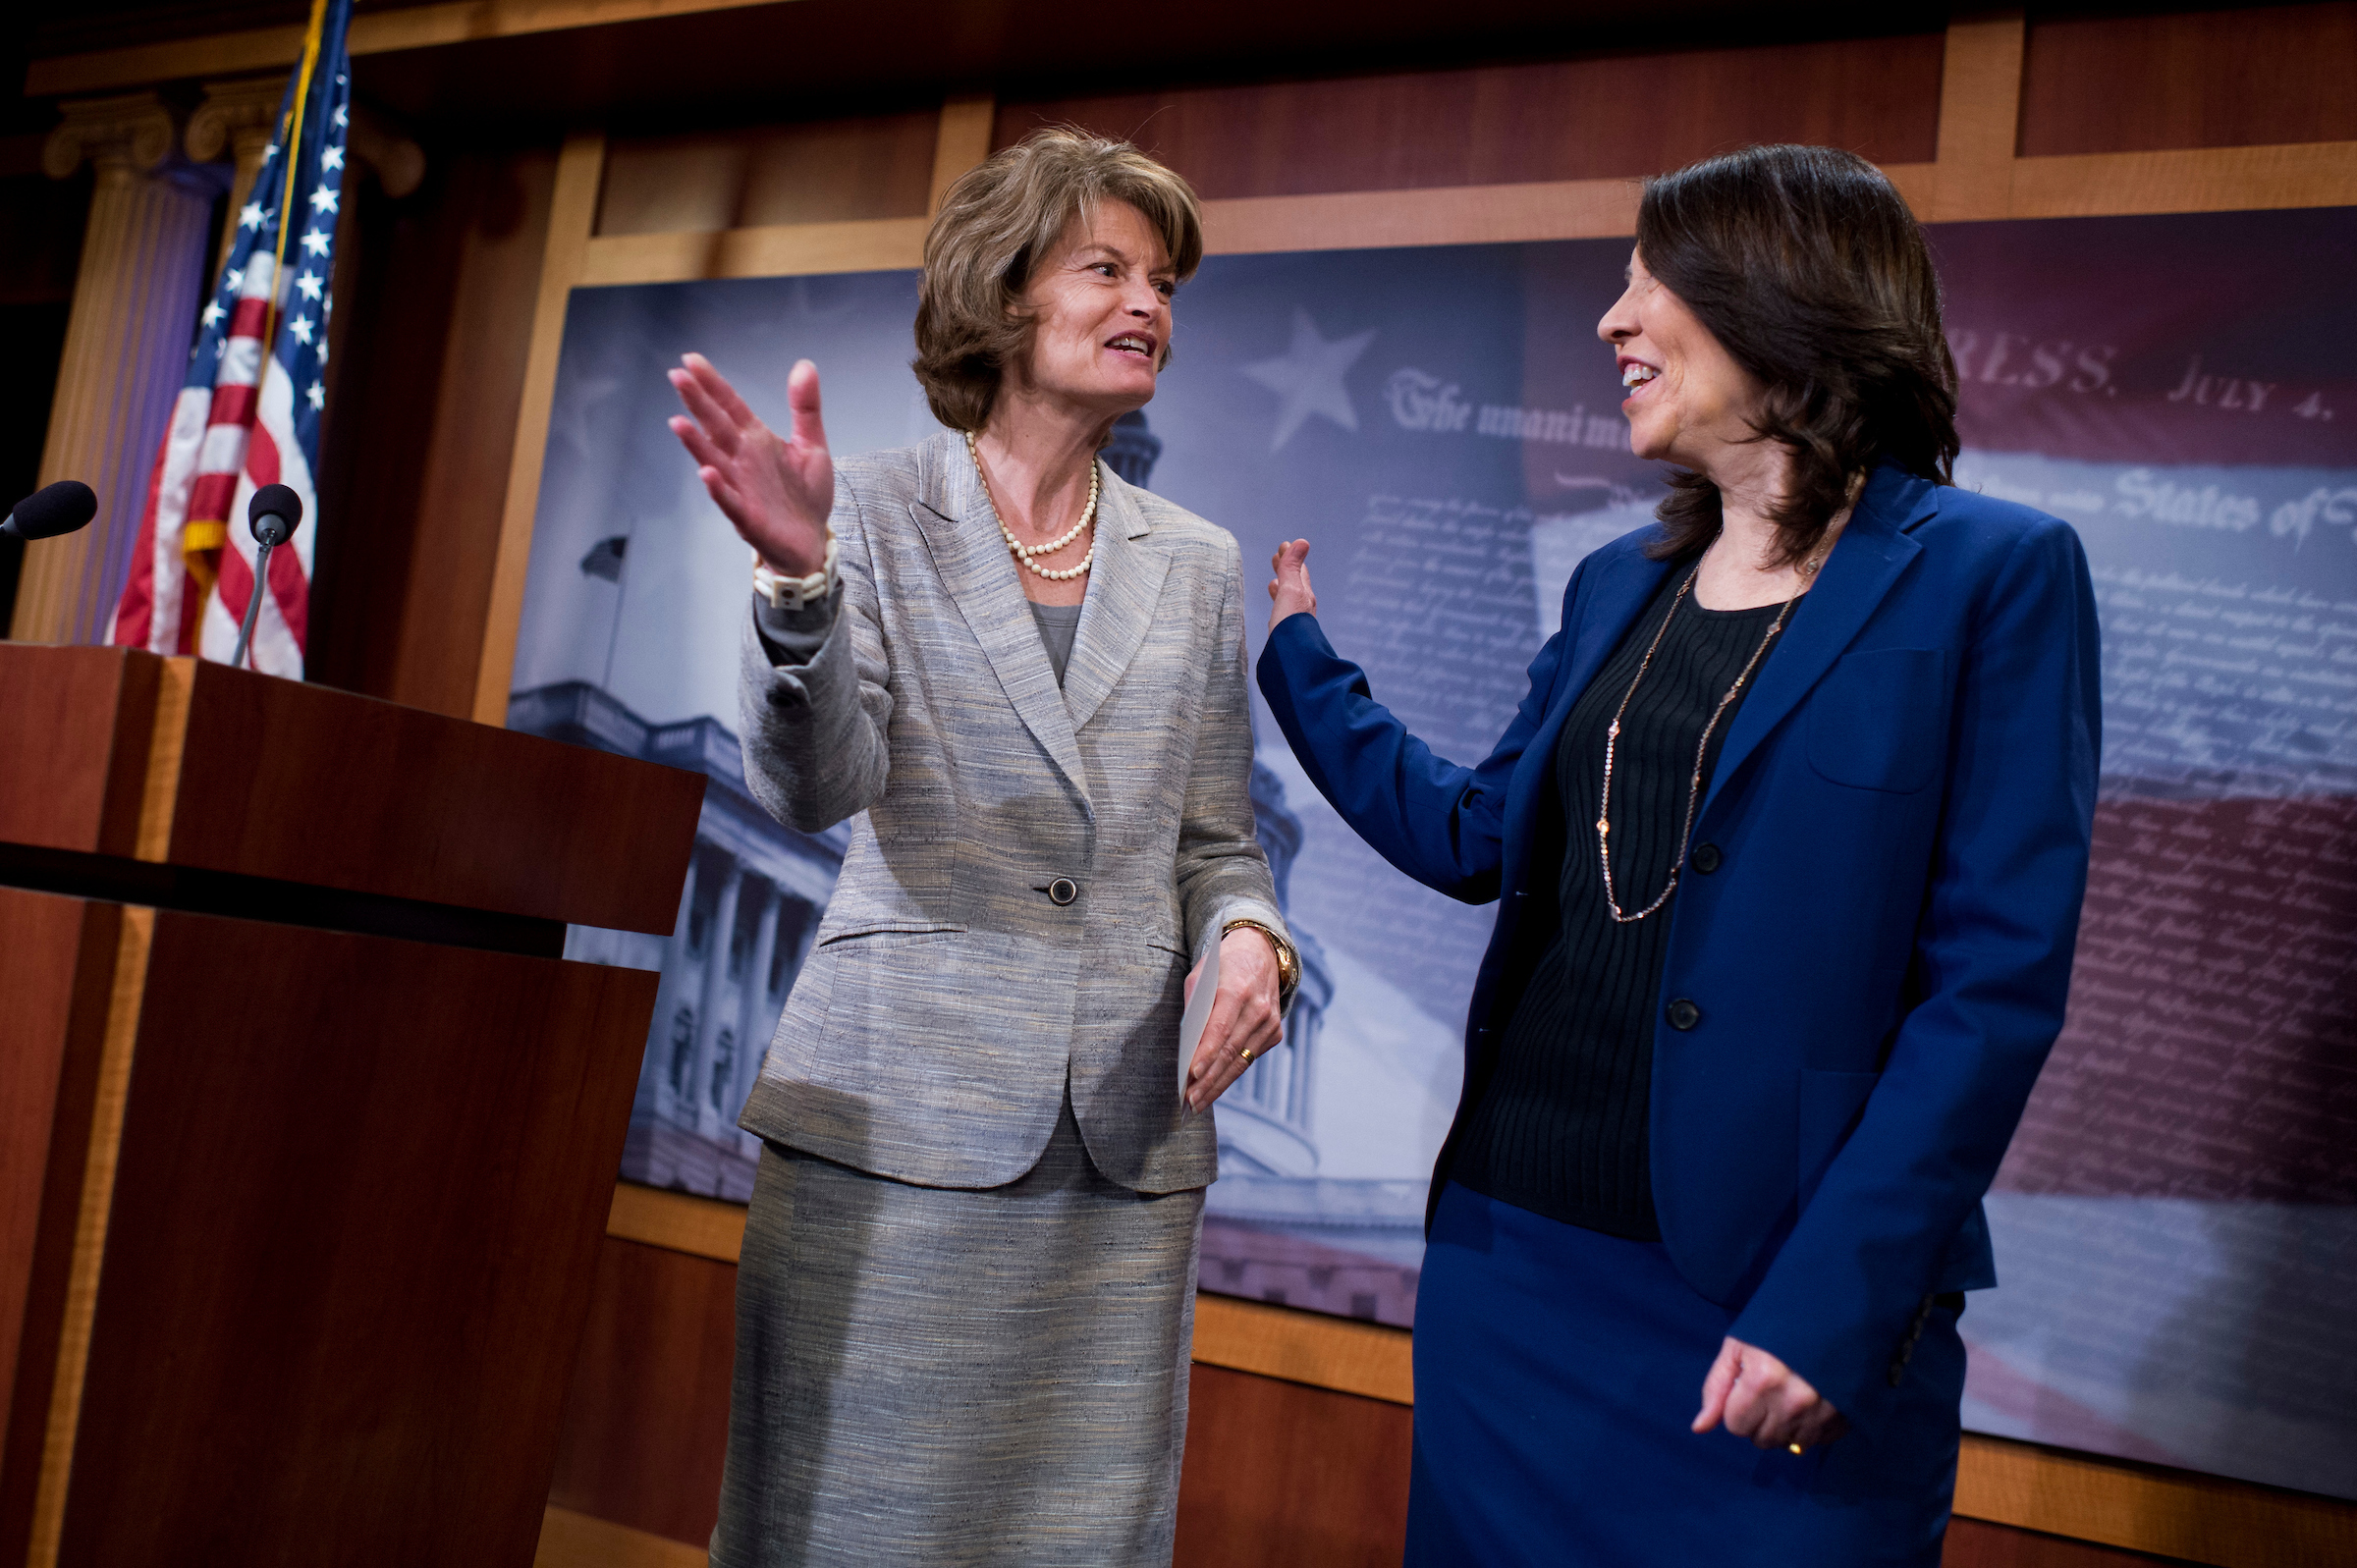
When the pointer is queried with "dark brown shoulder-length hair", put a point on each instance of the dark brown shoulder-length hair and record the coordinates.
(995, 224)
(1808, 268)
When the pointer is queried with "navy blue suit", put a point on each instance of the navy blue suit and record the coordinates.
(1876, 967)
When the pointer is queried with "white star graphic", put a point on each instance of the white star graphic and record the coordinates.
(316, 397)
(323, 200)
(212, 312)
(340, 117)
(323, 353)
(307, 285)
(316, 242)
(249, 216)
(1307, 378)
(301, 327)
(332, 158)
(269, 153)
(233, 279)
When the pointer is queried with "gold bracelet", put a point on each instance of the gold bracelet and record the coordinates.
(1289, 961)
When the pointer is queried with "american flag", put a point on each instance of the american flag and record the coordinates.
(246, 417)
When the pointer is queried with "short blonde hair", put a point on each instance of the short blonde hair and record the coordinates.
(993, 226)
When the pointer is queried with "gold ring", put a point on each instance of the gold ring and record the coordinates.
(1795, 1447)
(1245, 1057)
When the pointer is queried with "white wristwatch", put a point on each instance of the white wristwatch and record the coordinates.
(793, 593)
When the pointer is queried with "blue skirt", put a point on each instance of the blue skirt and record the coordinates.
(1557, 1374)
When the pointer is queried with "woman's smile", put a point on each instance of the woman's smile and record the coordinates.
(1635, 376)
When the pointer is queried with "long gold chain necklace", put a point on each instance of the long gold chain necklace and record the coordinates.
(1024, 551)
(1702, 747)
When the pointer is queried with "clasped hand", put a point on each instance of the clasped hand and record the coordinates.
(1243, 1016)
(1760, 1398)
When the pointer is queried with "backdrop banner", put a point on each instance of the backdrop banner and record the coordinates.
(2177, 1223)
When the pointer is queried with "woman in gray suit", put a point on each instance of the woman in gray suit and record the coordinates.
(966, 1297)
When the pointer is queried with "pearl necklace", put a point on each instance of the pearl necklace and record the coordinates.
(1024, 551)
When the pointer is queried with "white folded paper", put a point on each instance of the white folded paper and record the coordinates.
(1198, 1012)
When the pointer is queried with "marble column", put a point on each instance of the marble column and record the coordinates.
(126, 350)
(755, 1014)
(709, 1021)
(238, 119)
(654, 1073)
(398, 162)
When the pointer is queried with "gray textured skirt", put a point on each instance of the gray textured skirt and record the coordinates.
(927, 1376)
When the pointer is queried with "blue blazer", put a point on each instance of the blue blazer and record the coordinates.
(1875, 968)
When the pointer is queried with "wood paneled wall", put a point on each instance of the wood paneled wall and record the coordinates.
(827, 170)
(2203, 79)
(1585, 119)
(647, 1426)
(1977, 1543)
(416, 466)
(1278, 1474)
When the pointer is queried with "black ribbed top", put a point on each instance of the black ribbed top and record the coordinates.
(1559, 1128)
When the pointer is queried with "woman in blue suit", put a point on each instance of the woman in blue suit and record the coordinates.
(1789, 837)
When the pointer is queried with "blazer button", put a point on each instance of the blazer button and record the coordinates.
(1705, 858)
(1683, 1014)
(1062, 890)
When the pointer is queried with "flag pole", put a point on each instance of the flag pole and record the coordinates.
(291, 139)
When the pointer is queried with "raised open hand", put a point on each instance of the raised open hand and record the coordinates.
(1290, 589)
(776, 492)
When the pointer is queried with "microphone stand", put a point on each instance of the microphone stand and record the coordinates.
(270, 530)
(254, 601)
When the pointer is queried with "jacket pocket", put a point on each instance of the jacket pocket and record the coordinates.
(885, 928)
(1831, 1104)
(1878, 719)
(899, 1003)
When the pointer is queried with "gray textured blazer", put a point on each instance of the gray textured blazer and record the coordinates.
(947, 997)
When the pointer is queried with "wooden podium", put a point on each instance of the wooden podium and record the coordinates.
(308, 1133)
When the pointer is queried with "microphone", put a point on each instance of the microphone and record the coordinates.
(273, 515)
(53, 510)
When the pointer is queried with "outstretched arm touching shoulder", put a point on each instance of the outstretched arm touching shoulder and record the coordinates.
(1440, 822)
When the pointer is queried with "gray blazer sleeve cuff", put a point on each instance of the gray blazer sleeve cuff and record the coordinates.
(792, 637)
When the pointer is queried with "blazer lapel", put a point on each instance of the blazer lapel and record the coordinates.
(1125, 587)
(1623, 589)
(979, 573)
(1867, 560)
